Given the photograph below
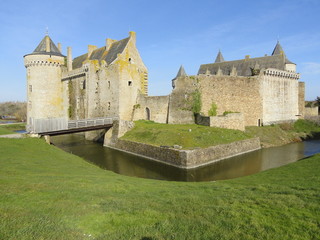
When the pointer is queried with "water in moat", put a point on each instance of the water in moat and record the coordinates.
(131, 165)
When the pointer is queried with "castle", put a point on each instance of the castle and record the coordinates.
(112, 81)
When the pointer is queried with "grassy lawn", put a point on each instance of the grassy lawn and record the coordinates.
(191, 135)
(185, 135)
(46, 193)
(10, 128)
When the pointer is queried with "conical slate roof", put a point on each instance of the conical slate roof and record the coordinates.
(219, 58)
(181, 72)
(277, 50)
(41, 48)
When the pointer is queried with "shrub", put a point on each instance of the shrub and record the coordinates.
(306, 126)
(286, 126)
(227, 112)
(213, 110)
(196, 101)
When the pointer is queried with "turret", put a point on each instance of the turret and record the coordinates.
(219, 58)
(44, 86)
(278, 50)
(180, 73)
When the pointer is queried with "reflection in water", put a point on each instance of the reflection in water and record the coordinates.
(131, 165)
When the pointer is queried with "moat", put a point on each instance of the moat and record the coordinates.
(130, 165)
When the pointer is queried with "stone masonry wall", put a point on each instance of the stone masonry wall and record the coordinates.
(230, 93)
(280, 99)
(179, 106)
(311, 111)
(155, 108)
(230, 121)
(301, 99)
(188, 158)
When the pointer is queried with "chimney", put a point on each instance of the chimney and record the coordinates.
(69, 58)
(109, 42)
(91, 48)
(48, 44)
(132, 36)
(59, 47)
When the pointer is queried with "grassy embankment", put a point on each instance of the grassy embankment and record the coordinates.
(11, 128)
(46, 193)
(191, 135)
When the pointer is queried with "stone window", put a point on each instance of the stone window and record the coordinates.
(30, 88)
(109, 105)
(109, 84)
(83, 84)
(129, 83)
(30, 105)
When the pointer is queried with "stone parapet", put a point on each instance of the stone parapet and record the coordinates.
(188, 158)
(73, 74)
(281, 73)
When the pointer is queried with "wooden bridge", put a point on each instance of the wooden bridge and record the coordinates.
(60, 126)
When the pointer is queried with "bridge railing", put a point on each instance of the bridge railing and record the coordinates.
(89, 122)
(58, 124)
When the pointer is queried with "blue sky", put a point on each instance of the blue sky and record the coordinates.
(169, 33)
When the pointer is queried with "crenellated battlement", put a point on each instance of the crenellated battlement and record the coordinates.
(36, 63)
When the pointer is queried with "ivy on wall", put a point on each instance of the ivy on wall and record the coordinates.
(196, 101)
(213, 110)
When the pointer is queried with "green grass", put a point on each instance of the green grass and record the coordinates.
(201, 136)
(10, 128)
(186, 135)
(306, 126)
(276, 135)
(46, 193)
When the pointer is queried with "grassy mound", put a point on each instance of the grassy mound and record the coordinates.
(186, 135)
(46, 193)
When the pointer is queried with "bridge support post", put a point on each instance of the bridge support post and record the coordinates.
(119, 128)
(47, 139)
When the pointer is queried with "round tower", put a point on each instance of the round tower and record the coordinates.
(45, 91)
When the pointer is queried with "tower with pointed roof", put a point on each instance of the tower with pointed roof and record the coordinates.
(181, 73)
(45, 93)
(219, 58)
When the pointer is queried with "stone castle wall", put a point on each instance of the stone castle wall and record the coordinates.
(230, 121)
(180, 99)
(301, 100)
(235, 94)
(311, 111)
(280, 96)
(152, 108)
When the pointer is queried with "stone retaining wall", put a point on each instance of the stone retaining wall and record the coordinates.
(311, 112)
(188, 158)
